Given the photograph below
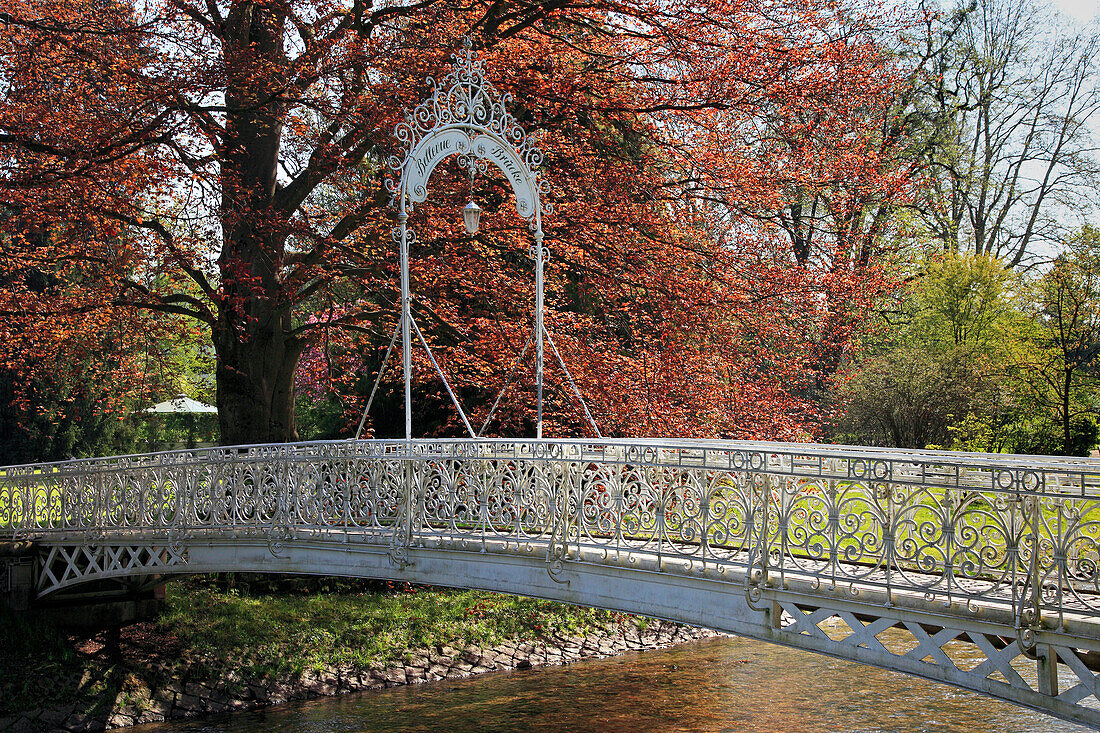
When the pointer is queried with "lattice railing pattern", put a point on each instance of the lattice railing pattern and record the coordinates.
(68, 565)
(1065, 682)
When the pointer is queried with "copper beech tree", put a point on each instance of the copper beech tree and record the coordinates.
(222, 162)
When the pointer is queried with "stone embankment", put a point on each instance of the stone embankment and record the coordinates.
(189, 689)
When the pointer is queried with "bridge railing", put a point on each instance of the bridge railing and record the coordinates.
(975, 531)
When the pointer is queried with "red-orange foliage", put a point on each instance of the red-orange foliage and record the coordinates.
(69, 325)
(223, 161)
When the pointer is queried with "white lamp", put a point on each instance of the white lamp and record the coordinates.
(471, 212)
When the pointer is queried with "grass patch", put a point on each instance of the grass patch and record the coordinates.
(260, 627)
(277, 631)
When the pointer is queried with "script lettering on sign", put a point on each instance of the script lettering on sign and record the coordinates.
(436, 146)
(428, 154)
(513, 168)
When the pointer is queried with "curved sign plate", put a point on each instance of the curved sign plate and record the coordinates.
(428, 153)
(447, 141)
(512, 166)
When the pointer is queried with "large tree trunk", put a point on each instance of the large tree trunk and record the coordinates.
(256, 353)
(255, 378)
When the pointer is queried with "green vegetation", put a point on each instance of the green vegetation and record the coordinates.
(287, 626)
(974, 356)
(90, 405)
(267, 627)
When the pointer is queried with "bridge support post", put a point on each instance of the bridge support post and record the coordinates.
(1046, 660)
(410, 507)
(775, 615)
(406, 316)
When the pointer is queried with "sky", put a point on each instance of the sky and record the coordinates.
(1084, 10)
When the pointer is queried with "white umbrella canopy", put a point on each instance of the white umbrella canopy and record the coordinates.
(182, 404)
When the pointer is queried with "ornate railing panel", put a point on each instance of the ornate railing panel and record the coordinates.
(974, 530)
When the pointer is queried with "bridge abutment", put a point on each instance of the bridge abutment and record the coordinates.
(104, 609)
(18, 565)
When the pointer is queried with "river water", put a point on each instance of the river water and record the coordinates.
(724, 684)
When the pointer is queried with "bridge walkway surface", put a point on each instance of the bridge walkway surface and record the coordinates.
(981, 571)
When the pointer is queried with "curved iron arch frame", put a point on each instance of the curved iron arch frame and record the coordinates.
(465, 117)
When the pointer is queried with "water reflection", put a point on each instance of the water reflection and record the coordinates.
(714, 685)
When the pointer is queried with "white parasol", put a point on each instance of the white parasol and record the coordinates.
(182, 404)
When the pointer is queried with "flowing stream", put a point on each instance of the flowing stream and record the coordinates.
(725, 684)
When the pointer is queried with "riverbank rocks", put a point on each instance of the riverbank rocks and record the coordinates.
(180, 695)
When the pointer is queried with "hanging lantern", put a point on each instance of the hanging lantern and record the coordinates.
(471, 212)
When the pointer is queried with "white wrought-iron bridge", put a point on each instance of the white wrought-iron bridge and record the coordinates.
(982, 571)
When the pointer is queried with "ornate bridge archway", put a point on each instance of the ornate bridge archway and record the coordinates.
(464, 116)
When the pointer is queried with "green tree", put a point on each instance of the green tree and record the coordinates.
(1060, 363)
(943, 361)
(910, 396)
(963, 301)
